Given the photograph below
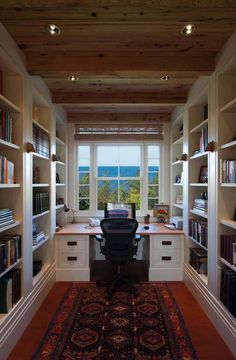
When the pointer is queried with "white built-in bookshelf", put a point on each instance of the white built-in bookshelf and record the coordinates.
(177, 168)
(226, 189)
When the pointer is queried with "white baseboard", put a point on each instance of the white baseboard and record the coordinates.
(223, 321)
(73, 274)
(18, 320)
(156, 274)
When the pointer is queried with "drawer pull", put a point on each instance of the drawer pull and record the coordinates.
(166, 242)
(166, 258)
(71, 243)
(71, 258)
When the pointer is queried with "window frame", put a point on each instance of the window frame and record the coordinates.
(93, 176)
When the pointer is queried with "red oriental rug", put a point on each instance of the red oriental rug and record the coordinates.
(86, 326)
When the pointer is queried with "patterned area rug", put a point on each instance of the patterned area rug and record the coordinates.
(86, 326)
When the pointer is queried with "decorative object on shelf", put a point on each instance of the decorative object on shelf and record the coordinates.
(35, 113)
(54, 157)
(198, 260)
(73, 210)
(57, 179)
(203, 175)
(37, 266)
(181, 130)
(205, 112)
(210, 146)
(60, 201)
(179, 199)
(29, 147)
(201, 203)
(36, 175)
(161, 212)
(184, 157)
(147, 219)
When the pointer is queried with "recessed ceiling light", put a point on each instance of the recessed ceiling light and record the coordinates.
(73, 78)
(53, 29)
(165, 78)
(188, 29)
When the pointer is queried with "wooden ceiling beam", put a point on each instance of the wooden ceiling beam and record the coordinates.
(85, 119)
(130, 61)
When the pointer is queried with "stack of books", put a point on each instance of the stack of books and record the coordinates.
(228, 171)
(10, 250)
(198, 230)
(41, 141)
(200, 204)
(6, 217)
(5, 126)
(228, 289)
(6, 171)
(228, 248)
(37, 237)
(40, 202)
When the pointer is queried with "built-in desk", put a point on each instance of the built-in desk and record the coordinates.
(162, 248)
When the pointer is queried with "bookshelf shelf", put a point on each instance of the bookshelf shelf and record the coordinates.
(42, 214)
(230, 106)
(60, 163)
(228, 185)
(177, 162)
(5, 316)
(40, 185)
(201, 277)
(35, 247)
(179, 206)
(59, 206)
(60, 184)
(196, 242)
(10, 267)
(36, 123)
(179, 141)
(178, 184)
(7, 105)
(199, 184)
(60, 142)
(8, 145)
(229, 223)
(5, 228)
(199, 155)
(40, 156)
(231, 144)
(37, 277)
(232, 267)
(199, 127)
(199, 213)
(9, 186)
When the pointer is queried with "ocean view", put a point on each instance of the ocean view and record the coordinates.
(113, 171)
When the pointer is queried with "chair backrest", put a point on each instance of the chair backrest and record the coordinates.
(119, 232)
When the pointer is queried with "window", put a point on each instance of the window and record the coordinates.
(118, 173)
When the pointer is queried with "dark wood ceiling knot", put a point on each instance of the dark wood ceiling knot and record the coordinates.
(101, 55)
(93, 14)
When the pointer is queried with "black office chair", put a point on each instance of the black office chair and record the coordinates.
(121, 245)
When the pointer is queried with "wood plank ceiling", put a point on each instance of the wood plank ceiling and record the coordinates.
(119, 49)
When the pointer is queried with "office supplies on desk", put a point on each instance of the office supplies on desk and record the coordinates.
(94, 222)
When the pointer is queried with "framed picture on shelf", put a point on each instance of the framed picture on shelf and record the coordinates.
(161, 212)
(203, 175)
(179, 199)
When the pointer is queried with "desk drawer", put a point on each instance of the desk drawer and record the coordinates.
(166, 258)
(72, 259)
(72, 244)
(166, 242)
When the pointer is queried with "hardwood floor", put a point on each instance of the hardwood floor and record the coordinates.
(206, 340)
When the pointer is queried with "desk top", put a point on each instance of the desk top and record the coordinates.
(85, 229)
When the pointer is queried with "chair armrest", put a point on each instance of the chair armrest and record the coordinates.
(137, 237)
(99, 238)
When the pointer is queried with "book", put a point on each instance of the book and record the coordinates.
(6, 294)
(15, 275)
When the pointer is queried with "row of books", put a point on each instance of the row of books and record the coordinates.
(10, 290)
(227, 171)
(228, 289)
(6, 171)
(40, 202)
(6, 217)
(41, 141)
(198, 230)
(10, 250)
(228, 248)
(5, 126)
(200, 204)
(38, 237)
